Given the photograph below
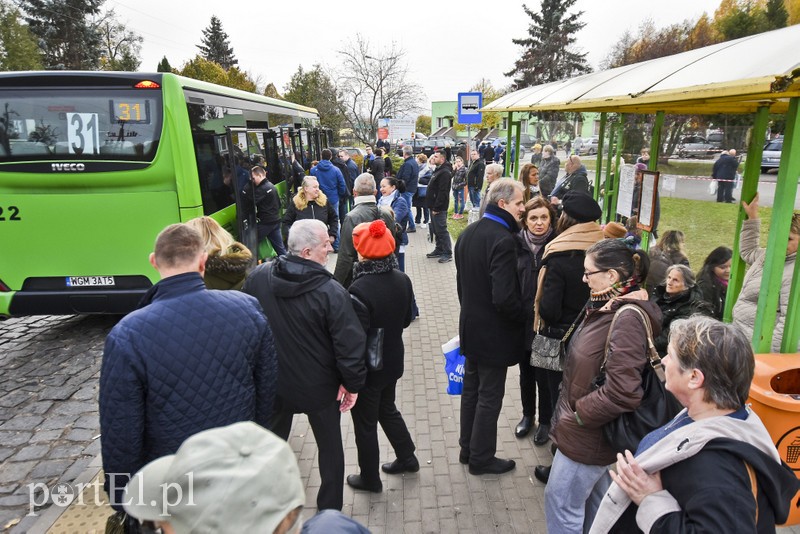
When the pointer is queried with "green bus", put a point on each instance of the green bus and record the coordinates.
(94, 164)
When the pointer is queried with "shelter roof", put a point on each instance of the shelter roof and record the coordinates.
(731, 77)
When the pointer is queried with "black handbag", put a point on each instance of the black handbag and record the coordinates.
(658, 406)
(549, 352)
(373, 351)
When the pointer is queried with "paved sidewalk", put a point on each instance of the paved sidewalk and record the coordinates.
(442, 497)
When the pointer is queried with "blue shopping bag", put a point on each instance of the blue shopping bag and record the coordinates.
(454, 366)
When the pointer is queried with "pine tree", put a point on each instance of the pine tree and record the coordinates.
(68, 38)
(548, 52)
(18, 48)
(776, 14)
(164, 66)
(215, 46)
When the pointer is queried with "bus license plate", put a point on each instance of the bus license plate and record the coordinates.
(89, 281)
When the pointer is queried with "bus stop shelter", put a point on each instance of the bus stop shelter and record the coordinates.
(756, 75)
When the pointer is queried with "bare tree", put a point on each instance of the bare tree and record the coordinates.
(373, 85)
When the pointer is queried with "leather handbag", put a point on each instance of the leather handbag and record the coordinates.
(373, 350)
(549, 352)
(658, 406)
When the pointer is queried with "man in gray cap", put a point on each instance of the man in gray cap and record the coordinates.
(237, 478)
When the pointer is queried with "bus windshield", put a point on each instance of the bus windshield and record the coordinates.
(79, 124)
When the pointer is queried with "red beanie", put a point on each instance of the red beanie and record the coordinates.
(373, 240)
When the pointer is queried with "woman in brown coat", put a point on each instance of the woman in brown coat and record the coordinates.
(614, 274)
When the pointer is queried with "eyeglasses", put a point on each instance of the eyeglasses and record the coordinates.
(587, 275)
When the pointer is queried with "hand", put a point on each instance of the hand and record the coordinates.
(332, 239)
(633, 479)
(347, 400)
(751, 209)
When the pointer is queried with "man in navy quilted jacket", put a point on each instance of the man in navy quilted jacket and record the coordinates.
(187, 360)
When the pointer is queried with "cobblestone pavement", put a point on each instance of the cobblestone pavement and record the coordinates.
(49, 424)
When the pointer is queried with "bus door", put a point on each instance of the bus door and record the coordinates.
(245, 149)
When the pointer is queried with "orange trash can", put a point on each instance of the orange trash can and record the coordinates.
(775, 397)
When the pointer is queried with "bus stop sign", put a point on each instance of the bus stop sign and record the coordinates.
(468, 106)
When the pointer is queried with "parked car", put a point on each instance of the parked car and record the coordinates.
(695, 146)
(416, 144)
(588, 146)
(771, 157)
(353, 151)
(432, 145)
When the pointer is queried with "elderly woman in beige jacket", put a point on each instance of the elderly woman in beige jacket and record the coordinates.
(744, 312)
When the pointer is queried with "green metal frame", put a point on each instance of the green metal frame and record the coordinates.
(599, 166)
(652, 165)
(752, 171)
(782, 210)
(620, 146)
(610, 186)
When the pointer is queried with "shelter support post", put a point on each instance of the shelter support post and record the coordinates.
(791, 331)
(620, 146)
(509, 170)
(599, 166)
(752, 170)
(652, 165)
(782, 210)
(517, 148)
(610, 187)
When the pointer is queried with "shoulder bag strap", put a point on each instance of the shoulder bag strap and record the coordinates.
(652, 354)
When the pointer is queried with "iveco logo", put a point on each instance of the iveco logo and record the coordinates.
(73, 167)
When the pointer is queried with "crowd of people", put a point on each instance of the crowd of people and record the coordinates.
(192, 379)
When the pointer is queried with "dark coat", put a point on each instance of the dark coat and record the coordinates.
(362, 212)
(725, 167)
(528, 267)
(491, 320)
(422, 187)
(475, 174)
(339, 163)
(352, 174)
(697, 483)
(387, 294)
(263, 198)
(438, 197)
(312, 210)
(377, 169)
(190, 359)
(680, 306)
(577, 181)
(409, 173)
(713, 292)
(622, 391)
(228, 271)
(564, 293)
(548, 174)
(319, 340)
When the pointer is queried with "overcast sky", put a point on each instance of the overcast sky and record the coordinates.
(447, 51)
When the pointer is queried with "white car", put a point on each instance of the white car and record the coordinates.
(771, 157)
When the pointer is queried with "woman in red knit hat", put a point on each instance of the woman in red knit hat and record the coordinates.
(382, 297)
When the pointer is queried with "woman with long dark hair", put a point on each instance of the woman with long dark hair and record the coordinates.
(712, 280)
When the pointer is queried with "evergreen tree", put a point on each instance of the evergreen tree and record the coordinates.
(68, 38)
(18, 48)
(164, 66)
(215, 46)
(314, 88)
(776, 14)
(271, 91)
(548, 51)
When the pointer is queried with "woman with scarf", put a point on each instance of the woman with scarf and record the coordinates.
(228, 260)
(712, 280)
(579, 474)
(714, 467)
(537, 231)
(529, 176)
(392, 197)
(382, 298)
(560, 296)
(677, 298)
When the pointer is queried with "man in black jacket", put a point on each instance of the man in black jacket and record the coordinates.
(724, 172)
(263, 198)
(438, 200)
(409, 173)
(475, 178)
(320, 345)
(491, 322)
(576, 179)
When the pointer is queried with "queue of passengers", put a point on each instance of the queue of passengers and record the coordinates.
(542, 273)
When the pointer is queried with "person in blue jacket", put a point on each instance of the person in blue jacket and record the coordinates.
(189, 359)
(331, 181)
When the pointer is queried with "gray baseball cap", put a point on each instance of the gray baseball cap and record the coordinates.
(238, 478)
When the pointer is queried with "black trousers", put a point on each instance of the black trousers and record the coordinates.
(443, 243)
(725, 191)
(548, 382)
(328, 434)
(376, 404)
(527, 387)
(481, 402)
